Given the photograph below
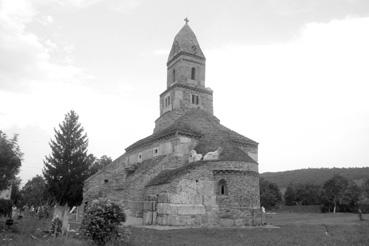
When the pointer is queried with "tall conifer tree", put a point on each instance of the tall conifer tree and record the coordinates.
(66, 167)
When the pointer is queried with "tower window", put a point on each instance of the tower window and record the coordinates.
(193, 73)
(174, 75)
(166, 101)
(195, 99)
(222, 187)
(139, 157)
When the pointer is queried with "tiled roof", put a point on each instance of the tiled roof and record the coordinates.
(185, 42)
(200, 124)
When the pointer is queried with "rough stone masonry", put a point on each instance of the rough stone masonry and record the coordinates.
(155, 181)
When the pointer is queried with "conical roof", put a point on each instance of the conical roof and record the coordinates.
(185, 41)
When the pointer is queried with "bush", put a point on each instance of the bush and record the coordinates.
(56, 227)
(101, 223)
(6, 207)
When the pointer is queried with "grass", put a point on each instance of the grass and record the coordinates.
(286, 235)
(31, 231)
(305, 229)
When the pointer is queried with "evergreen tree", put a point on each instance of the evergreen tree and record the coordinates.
(67, 166)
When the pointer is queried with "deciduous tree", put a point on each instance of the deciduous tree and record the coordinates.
(34, 192)
(270, 194)
(10, 159)
(97, 164)
(333, 191)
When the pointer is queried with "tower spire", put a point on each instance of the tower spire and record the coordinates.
(186, 20)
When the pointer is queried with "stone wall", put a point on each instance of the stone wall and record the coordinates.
(182, 66)
(177, 145)
(167, 119)
(192, 199)
(180, 98)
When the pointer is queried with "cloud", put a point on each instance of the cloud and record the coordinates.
(160, 52)
(124, 7)
(27, 58)
(305, 101)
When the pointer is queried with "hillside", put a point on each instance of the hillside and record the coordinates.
(315, 175)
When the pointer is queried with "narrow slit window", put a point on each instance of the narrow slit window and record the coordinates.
(193, 73)
(195, 99)
(174, 75)
(167, 101)
(222, 187)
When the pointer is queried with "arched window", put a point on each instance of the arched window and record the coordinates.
(222, 187)
(193, 73)
(174, 75)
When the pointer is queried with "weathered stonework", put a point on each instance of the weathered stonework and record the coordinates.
(154, 180)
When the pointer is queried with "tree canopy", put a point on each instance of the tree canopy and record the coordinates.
(10, 159)
(97, 164)
(334, 191)
(302, 194)
(67, 166)
(34, 192)
(270, 194)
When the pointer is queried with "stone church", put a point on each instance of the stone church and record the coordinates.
(191, 170)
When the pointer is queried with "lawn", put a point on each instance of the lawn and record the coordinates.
(291, 229)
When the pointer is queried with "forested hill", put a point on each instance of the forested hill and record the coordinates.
(315, 176)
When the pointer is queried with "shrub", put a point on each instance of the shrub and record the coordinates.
(56, 226)
(101, 223)
(6, 207)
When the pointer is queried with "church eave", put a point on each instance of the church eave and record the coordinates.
(161, 135)
(170, 59)
(198, 89)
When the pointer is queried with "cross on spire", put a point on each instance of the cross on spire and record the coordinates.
(186, 20)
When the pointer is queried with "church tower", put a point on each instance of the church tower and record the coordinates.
(185, 80)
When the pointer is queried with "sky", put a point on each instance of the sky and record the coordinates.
(292, 75)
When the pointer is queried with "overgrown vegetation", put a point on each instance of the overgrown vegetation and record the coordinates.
(101, 223)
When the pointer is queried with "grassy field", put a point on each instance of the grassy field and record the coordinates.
(290, 229)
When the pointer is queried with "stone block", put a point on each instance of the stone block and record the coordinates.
(226, 222)
(173, 220)
(162, 219)
(148, 206)
(239, 222)
(187, 209)
(197, 220)
(147, 218)
(163, 198)
(167, 208)
(154, 217)
(184, 220)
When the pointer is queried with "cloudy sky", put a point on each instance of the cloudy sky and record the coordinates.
(290, 74)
